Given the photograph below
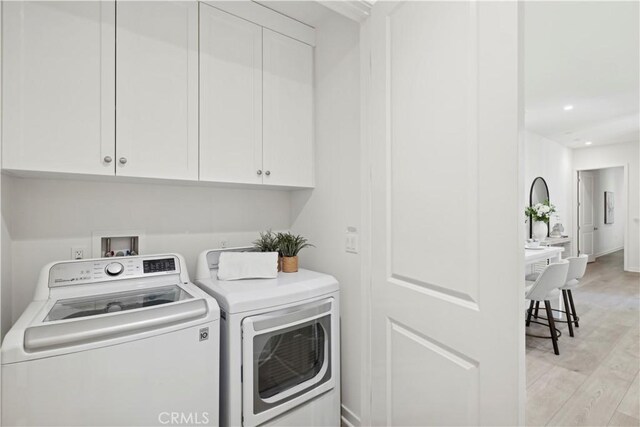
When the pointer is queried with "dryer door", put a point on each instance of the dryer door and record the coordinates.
(287, 358)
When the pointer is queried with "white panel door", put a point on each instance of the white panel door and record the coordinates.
(586, 215)
(287, 110)
(157, 90)
(58, 86)
(447, 275)
(230, 98)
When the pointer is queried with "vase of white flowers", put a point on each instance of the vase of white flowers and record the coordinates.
(540, 214)
(540, 230)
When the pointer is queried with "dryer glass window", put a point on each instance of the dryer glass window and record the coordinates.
(291, 353)
(110, 303)
(290, 358)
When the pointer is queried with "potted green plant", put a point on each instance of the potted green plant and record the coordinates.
(268, 242)
(290, 245)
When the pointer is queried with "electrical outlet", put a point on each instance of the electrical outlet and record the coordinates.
(224, 242)
(77, 252)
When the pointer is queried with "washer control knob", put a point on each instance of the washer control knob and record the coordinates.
(114, 268)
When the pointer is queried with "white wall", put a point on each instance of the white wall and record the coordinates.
(5, 278)
(552, 161)
(605, 156)
(46, 217)
(609, 237)
(324, 214)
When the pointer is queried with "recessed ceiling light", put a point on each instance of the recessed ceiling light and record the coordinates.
(567, 107)
(588, 143)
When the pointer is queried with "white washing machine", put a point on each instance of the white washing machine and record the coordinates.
(280, 346)
(124, 341)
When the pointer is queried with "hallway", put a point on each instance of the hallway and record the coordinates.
(594, 380)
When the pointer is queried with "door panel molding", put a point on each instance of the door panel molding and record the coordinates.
(439, 348)
(413, 196)
(460, 371)
(445, 294)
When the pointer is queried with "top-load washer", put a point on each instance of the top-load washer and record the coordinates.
(115, 341)
(280, 346)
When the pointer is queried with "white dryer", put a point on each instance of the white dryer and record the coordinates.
(124, 341)
(280, 346)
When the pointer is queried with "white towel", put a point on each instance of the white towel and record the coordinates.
(247, 265)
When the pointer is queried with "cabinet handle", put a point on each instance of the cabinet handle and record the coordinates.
(108, 159)
(123, 160)
(259, 172)
(267, 173)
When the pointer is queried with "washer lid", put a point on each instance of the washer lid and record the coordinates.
(73, 308)
(236, 296)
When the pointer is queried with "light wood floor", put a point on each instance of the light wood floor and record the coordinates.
(594, 380)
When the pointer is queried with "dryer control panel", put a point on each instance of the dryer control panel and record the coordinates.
(108, 269)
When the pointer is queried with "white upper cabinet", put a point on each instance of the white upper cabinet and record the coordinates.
(177, 90)
(157, 90)
(230, 98)
(287, 110)
(256, 103)
(58, 86)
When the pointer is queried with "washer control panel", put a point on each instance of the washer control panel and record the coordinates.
(100, 270)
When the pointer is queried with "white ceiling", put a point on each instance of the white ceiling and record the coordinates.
(585, 54)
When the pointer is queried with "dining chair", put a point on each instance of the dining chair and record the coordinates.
(577, 268)
(545, 287)
(536, 269)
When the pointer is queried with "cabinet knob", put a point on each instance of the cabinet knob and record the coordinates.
(259, 172)
(123, 160)
(267, 173)
(108, 159)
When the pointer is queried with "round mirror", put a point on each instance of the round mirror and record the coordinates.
(539, 193)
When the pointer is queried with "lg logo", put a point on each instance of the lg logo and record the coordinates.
(182, 418)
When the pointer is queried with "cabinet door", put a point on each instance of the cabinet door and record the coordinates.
(288, 111)
(157, 90)
(230, 98)
(58, 65)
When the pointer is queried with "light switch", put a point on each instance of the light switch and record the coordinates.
(351, 240)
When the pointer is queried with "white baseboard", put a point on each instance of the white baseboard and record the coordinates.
(348, 418)
(609, 251)
(633, 270)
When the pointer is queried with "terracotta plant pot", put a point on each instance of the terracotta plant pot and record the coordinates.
(289, 264)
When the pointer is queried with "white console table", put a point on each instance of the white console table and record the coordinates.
(563, 242)
(551, 254)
